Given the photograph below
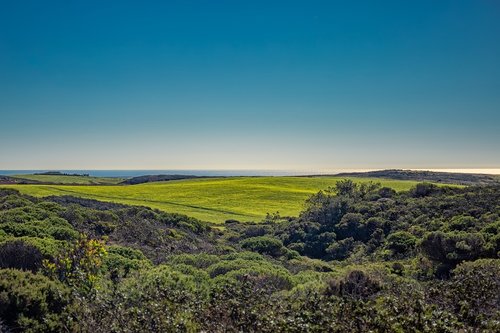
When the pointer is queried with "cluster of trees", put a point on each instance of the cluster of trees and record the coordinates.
(358, 258)
(368, 223)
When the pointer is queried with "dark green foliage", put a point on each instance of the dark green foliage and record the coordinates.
(475, 292)
(357, 284)
(401, 243)
(342, 249)
(20, 255)
(462, 223)
(423, 190)
(196, 260)
(264, 245)
(333, 226)
(359, 258)
(449, 249)
(126, 252)
(121, 261)
(159, 300)
(32, 302)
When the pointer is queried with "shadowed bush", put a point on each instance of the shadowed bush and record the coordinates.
(18, 254)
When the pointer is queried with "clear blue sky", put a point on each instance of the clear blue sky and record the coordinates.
(249, 84)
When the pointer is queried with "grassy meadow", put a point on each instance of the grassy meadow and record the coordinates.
(212, 199)
(78, 180)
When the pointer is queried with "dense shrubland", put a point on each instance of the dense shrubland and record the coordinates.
(358, 258)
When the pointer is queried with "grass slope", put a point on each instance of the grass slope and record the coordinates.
(213, 199)
(62, 179)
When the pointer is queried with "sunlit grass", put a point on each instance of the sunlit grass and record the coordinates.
(212, 199)
(62, 179)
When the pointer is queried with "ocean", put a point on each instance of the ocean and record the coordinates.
(135, 173)
(223, 173)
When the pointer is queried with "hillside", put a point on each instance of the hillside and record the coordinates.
(358, 258)
(156, 178)
(16, 180)
(64, 179)
(7, 180)
(213, 199)
(429, 176)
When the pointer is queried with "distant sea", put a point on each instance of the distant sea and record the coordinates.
(223, 173)
(135, 173)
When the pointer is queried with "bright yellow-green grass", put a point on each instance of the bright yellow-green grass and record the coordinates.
(80, 180)
(212, 199)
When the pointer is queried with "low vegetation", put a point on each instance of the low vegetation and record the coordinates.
(359, 257)
(156, 178)
(430, 176)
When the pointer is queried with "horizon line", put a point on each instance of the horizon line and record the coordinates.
(491, 171)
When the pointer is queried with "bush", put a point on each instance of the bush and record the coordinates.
(18, 254)
(126, 252)
(32, 302)
(196, 260)
(269, 278)
(78, 265)
(351, 225)
(226, 266)
(119, 267)
(474, 291)
(264, 245)
(401, 242)
(342, 249)
(162, 299)
(357, 284)
(462, 223)
(65, 234)
(423, 189)
(453, 247)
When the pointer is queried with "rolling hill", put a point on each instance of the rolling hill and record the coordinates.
(212, 199)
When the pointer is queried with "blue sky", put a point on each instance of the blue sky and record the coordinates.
(313, 85)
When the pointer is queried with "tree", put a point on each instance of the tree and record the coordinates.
(264, 245)
(401, 242)
(450, 249)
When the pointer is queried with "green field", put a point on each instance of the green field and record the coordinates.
(212, 199)
(62, 179)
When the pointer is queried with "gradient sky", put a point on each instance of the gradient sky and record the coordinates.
(311, 85)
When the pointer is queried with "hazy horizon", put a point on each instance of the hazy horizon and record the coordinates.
(254, 85)
(226, 172)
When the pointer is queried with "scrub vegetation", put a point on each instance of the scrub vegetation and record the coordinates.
(358, 257)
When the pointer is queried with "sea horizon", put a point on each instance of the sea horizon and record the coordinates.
(126, 173)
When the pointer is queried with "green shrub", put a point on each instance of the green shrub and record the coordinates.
(119, 267)
(202, 260)
(462, 223)
(401, 242)
(49, 247)
(226, 266)
(453, 247)
(357, 284)
(245, 255)
(32, 302)
(474, 291)
(20, 255)
(13, 201)
(271, 278)
(61, 233)
(342, 249)
(126, 252)
(264, 245)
